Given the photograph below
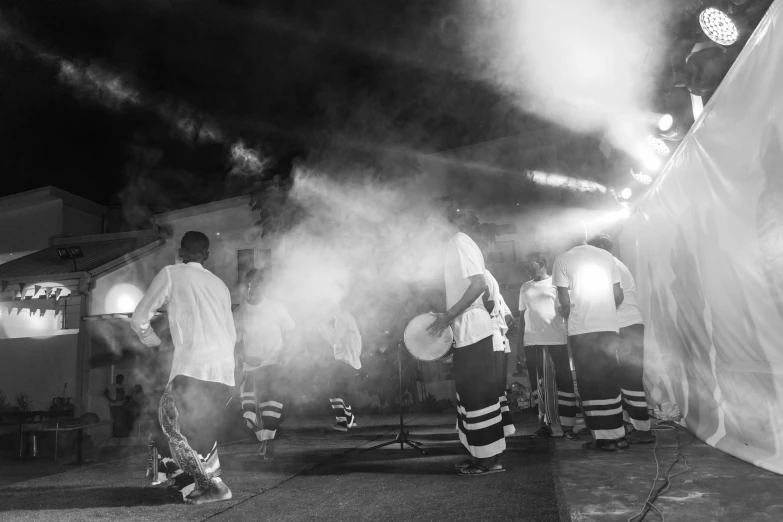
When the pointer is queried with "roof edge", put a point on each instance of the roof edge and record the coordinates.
(31, 197)
(214, 206)
(94, 238)
(128, 258)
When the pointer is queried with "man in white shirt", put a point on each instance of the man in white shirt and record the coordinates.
(342, 334)
(588, 288)
(479, 417)
(630, 352)
(202, 369)
(499, 344)
(541, 328)
(262, 325)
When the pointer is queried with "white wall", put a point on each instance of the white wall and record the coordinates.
(30, 228)
(229, 231)
(105, 298)
(38, 366)
(80, 223)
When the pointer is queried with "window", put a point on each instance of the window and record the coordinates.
(246, 261)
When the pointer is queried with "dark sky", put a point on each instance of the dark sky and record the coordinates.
(290, 77)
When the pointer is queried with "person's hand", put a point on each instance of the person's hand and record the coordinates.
(439, 326)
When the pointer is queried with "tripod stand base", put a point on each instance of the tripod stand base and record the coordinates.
(401, 439)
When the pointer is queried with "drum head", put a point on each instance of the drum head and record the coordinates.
(422, 345)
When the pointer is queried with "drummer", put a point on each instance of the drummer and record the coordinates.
(479, 418)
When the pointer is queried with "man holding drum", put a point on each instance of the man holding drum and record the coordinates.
(479, 417)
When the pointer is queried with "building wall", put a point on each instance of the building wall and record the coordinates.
(80, 223)
(39, 367)
(119, 291)
(30, 228)
(229, 231)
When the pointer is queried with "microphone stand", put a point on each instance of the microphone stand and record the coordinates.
(402, 436)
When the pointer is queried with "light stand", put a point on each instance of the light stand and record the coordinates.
(402, 435)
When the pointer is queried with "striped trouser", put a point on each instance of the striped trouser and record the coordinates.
(595, 363)
(505, 412)
(340, 385)
(566, 398)
(630, 354)
(189, 415)
(479, 416)
(261, 386)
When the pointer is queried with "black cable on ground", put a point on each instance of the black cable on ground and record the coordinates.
(649, 503)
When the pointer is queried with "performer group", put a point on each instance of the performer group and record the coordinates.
(584, 314)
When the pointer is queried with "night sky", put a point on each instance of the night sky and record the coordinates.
(285, 78)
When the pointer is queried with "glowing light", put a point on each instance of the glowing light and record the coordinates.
(641, 177)
(652, 162)
(122, 298)
(666, 122)
(658, 146)
(718, 26)
(626, 193)
(594, 281)
(561, 181)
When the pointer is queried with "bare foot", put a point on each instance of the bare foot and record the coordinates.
(217, 492)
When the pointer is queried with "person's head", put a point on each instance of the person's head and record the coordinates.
(602, 241)
(536, 264)
(255, 283)
(194, 247)
(138, 389)
(119, 379)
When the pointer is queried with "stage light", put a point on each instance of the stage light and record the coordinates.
(626, 193)
(658, 146)
(666, 122)
(641, 177)
(718, 26)
(122, 298)
(652, 163)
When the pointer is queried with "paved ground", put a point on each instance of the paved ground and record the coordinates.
(320, 475)
(317, 475)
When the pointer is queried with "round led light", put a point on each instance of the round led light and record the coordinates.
(626, 193)
(658, 146)
(718, 26)
(666, 122)
(652, 163)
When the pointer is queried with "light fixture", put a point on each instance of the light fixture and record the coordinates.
(718, 26)
(641, 177)
(665, 122)
(626, 193)
(652, 163)
(72, 252)
(658, 146)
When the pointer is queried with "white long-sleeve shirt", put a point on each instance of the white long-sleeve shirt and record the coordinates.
(200, 319)
(343, 334)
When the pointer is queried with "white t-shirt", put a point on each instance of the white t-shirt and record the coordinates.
(504, 311)
(629, 312)
(200, 320)
(342, 333)
(499, 327)
(589, 274)
(261, 327)
(463, 260)
(544, 326)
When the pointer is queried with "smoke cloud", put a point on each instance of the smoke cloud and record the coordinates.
(587, 65)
